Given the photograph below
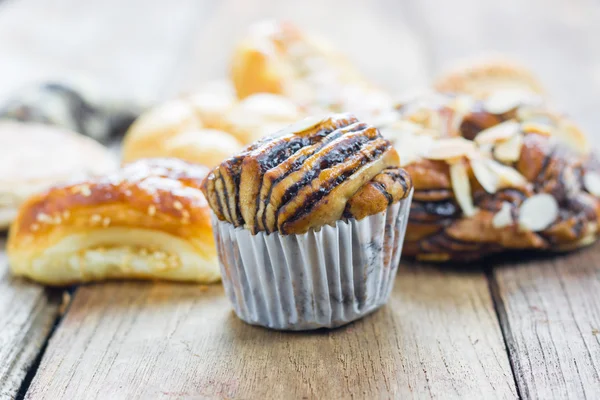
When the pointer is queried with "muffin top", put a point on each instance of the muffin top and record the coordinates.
(310, 174)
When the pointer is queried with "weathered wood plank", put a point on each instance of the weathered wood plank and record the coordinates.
(438, 337)
(550, 311)
(27, 314)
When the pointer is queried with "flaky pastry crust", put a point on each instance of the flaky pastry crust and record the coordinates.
(149, 220)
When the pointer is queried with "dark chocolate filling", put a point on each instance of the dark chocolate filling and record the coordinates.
(313, 199)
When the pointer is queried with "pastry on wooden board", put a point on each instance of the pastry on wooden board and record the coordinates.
(492, 177)
(313, 214)
(149, 220)
(278, 57)
(35, 157)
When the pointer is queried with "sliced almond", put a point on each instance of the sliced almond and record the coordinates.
(485, 175)
(502, 101)
(591, 181)
(538, 212)
(304, 124)
(509, 151)
(507, 176)
(497, 133)
(462, 188)
(503, 217)
(537, 127)
(451, 148)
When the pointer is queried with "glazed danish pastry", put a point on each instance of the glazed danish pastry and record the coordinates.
(311, 174)
(487, 180)
(149, 220)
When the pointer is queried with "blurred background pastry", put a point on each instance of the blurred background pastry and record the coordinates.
(79, 106)
(278, 57)
(148, 220)
(198, 130)
(35, 157)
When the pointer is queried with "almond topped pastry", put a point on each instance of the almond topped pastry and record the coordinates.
(488, 179)
(323, 200)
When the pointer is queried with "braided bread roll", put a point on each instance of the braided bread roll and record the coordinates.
(489, 180)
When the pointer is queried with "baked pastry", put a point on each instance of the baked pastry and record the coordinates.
(259, 115)
(209, 122)
(488, 181)
(79, 107)
(205, 146)
(147, 221)
(152, 129)
(502, 86)
(36, 157)
(483, 76)
(309, 223)
(277, 57)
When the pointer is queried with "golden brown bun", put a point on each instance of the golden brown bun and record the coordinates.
(205, 146)
(260, 114)
(279, 58)
(483, 76)
(147, 221)
(311, 174)
(35, 157)
(494, 180)
(150, 131)
(212, 102)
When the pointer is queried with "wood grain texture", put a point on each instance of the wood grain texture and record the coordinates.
(27, 314)
(550, 310)
(438, 337)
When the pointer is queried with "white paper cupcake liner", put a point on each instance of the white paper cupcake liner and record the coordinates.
(320, 279)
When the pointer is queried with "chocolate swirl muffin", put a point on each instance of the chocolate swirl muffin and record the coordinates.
(324, 199)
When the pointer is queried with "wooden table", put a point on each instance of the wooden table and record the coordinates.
(505, 328)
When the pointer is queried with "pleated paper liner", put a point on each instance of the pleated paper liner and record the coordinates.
(324, 278)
